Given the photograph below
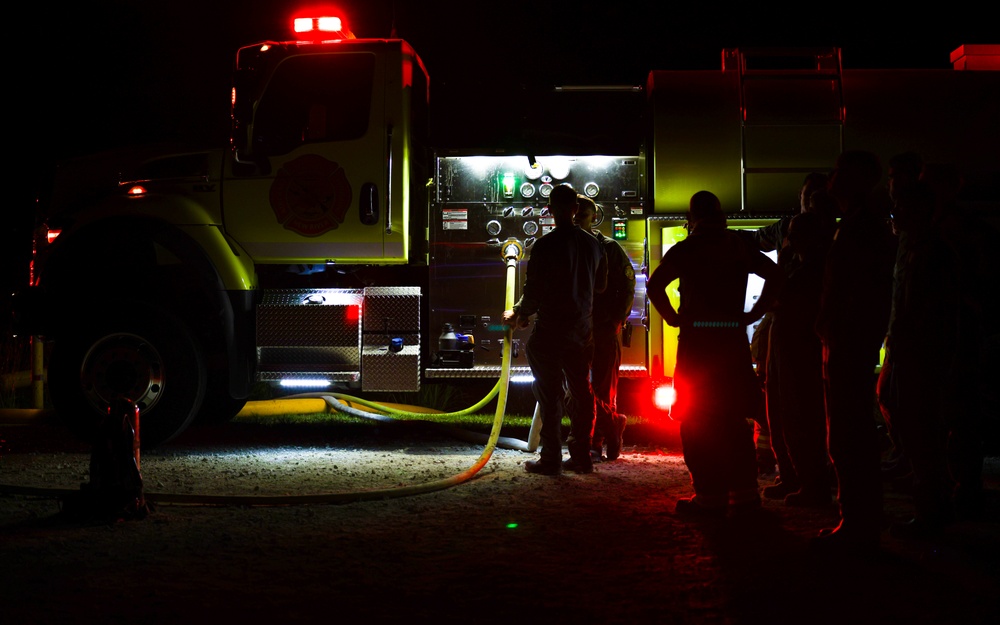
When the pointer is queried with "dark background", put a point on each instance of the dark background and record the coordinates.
(94, 76)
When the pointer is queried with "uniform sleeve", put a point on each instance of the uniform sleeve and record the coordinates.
(771, 236)
(601, 278)
(622, 275)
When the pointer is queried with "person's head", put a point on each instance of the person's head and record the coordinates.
(904, 170)
(563, 203)
(705, 212)
(854, 178)
(814, 182)
(586, 212)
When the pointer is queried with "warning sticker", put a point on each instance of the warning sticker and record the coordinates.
(455, 219)
(547, 223)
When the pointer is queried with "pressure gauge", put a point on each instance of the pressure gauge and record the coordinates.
(530, 228)
(493, 227)
(545, 190)
(591, 189)
(527, 190)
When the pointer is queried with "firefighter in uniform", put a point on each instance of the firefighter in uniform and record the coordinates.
(566, 267)
(852, 324)
(713, 265)
(611, 310)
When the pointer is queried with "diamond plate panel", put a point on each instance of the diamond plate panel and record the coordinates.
(310, 318)
(382, 370)
(392, 309)
(308, 358)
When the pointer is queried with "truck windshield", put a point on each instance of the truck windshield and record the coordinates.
(314, 98)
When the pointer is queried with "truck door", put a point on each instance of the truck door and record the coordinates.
(314, 189)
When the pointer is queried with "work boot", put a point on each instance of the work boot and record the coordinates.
(744, 509)
(576, 465)
(614, 441)
(841, 539)
(779, 490)
(924, 526)
(543, 467)
(917, 528)
(804, 498)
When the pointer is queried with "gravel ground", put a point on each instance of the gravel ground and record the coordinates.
(408, 534)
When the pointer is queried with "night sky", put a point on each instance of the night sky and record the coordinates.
(121, 71)
(110, 73)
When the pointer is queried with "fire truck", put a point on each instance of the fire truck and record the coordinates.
(336, 243)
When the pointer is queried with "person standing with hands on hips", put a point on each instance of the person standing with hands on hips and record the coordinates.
(713, 264)
(566, 267)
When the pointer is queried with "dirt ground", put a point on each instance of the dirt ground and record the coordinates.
(502, 546)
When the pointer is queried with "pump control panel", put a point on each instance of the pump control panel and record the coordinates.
(481, 202)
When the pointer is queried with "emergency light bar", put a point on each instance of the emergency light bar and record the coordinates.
(321, 26)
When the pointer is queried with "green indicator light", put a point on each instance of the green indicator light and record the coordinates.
(508, 185)
(512, 526)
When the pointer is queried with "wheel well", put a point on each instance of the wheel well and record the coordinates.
(150, 263)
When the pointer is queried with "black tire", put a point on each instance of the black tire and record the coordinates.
(218, 406)
(146, 356)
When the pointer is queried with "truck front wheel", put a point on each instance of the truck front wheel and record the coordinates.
(149, 358)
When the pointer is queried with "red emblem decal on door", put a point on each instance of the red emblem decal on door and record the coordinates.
(310, 195)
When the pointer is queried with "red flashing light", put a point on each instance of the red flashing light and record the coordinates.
(137, 190)
(321, 26)
(664, 397)
(52, 235)
(317, 24)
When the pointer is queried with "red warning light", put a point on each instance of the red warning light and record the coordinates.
(353, 314)
(664, 397)
(321, 24)
(317, 24)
